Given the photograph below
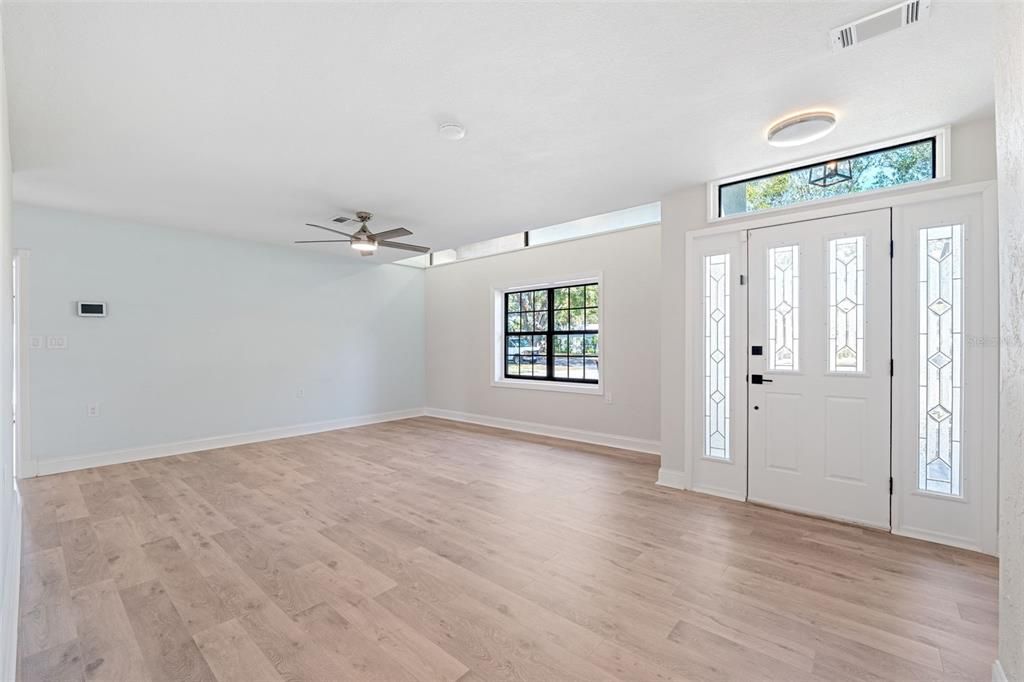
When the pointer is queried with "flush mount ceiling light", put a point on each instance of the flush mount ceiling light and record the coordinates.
(452, 131)
(801, 129)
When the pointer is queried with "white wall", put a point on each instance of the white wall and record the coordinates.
(10, 513)
(459, 338)
(206, 337)
(1009, 89)
(972, 160)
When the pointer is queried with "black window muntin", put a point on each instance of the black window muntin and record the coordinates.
(549, 338)
(809, 166)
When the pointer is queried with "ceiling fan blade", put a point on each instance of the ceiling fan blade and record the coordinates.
(404, 247)
(325, 241)
(330, 229)
(391, 234)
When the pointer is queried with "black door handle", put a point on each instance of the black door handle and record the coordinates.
(759, 379)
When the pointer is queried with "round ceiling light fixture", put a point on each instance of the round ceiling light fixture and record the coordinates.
(452, 131)
(801, 128)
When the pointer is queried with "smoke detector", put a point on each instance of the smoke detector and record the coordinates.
(896, 17)
(452, 131)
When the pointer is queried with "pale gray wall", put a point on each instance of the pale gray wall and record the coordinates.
(460, 309)
(206, 336)
(1009, 89)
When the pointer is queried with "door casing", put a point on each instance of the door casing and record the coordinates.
(729, 479)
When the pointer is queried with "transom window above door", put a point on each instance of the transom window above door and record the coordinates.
(553, 333)
(894, 164)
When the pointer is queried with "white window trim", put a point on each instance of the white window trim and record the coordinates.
(942, 174)
(498, 379)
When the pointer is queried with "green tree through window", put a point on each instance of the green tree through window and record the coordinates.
(891, 167)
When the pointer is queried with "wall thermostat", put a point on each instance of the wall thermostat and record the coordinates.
(92, 309)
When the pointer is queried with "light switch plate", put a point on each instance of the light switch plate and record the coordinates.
(56, 342)
(35, 342)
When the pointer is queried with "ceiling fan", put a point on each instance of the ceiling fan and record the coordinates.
(364, 241)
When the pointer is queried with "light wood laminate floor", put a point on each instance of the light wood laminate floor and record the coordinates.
(427, 550)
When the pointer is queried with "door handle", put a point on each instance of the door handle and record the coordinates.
(759, 379)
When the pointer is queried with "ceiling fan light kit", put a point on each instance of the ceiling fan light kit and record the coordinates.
(362, 240)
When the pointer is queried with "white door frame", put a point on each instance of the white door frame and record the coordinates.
(27, 466)
(693, 413)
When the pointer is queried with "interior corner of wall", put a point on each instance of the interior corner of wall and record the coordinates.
(672, 478)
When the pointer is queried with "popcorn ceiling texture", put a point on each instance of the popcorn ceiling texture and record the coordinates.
(1009, 96)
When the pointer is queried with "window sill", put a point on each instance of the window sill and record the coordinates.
(554, 386)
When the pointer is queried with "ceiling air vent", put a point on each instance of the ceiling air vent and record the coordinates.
(874, 25)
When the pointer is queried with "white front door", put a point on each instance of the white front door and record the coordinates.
(819, 345)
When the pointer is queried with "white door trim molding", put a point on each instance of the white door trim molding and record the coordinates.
(27, 466)
(10, 563)
(852, 205)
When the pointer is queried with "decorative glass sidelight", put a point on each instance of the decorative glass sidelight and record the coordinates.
(784, 308)
(716, 356)
(846, 284)
(940, 292)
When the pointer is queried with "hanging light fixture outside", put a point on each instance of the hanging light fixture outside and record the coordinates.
(831, 173)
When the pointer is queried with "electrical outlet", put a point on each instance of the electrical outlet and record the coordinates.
(92, 410)
(35, 342)
(301, 393)
(56, 342)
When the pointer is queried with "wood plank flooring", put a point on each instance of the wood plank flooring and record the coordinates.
(429, 550)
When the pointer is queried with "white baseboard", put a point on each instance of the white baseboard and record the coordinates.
(58, 465)
(720, 492)
(672, 478)
(940, 538)
(998, 674)
(652, 447)
(10, 562)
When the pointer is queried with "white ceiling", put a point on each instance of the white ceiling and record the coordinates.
(251, 119)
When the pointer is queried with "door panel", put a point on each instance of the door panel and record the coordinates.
(819, 306)
(846, 426)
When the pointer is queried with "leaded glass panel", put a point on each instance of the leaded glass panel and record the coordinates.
(940, 359)
(784, 308)
(716, 356)
(846, 283)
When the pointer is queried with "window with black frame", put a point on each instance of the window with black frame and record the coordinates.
(552, 334)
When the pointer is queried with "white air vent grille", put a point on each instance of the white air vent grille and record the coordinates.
(872, 26)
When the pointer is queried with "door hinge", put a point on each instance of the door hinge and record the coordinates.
(892, 249)
(890, 485)
(892, 367)
(743, 280)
